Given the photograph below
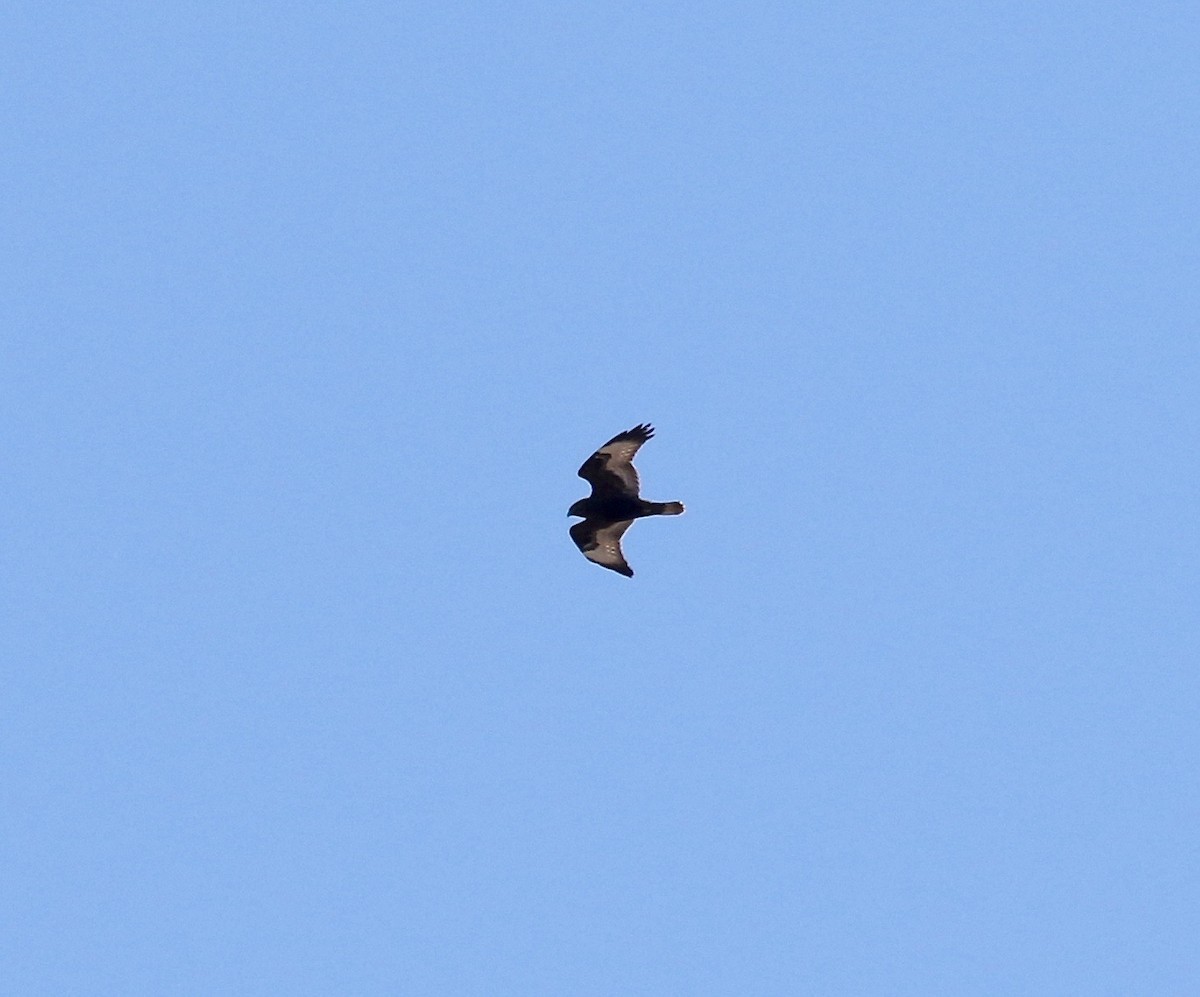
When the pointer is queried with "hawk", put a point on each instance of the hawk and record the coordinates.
(614, 503)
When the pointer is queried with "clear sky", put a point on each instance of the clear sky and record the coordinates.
(312, 311)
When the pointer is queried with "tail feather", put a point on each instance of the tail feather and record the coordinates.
(667, 508)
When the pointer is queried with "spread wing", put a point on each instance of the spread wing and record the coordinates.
(610, 469)
(600, 541)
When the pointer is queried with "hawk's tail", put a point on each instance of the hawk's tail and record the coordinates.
(667, 508)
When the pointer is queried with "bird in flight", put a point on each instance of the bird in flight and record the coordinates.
(614, 503)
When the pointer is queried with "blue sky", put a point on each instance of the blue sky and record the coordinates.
(311, 312)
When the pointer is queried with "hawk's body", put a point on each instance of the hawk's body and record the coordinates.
(614, 503)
